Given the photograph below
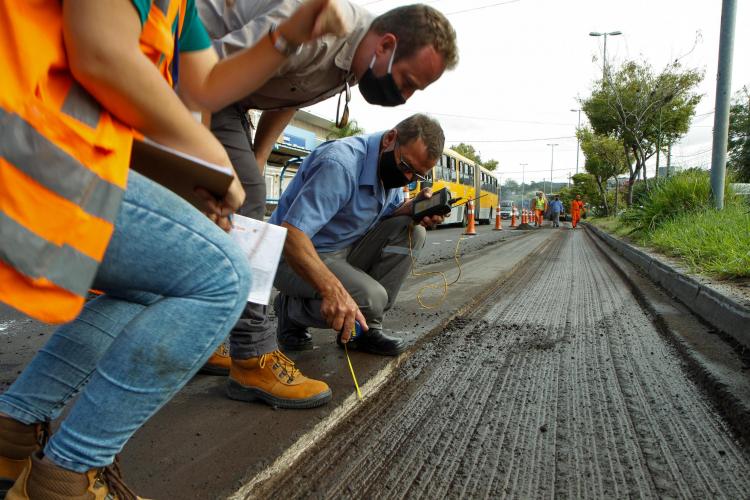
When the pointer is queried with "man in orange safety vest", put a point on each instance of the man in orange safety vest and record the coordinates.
(576, 208)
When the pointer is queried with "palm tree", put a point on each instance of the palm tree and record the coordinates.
(348, 130)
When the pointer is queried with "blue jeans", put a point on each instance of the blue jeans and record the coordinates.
(174, 286)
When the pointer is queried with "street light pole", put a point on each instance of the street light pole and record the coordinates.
(578, 141)
(523, 184)
(551, 165)
(721, 109)
(605, 35)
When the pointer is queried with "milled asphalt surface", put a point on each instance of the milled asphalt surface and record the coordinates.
(203, 445)
(574, 392)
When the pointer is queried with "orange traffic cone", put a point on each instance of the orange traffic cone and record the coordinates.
(470, 229)
(513, 217)
(523, 216)
(498, 223)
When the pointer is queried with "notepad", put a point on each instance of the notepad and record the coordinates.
(179, 172)
(262, 243)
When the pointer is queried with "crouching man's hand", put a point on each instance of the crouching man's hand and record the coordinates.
(406, 209)
(340, 311)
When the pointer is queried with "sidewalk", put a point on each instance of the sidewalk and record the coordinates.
(212, 447)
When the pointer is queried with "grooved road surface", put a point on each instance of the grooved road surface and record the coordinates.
(571, 393)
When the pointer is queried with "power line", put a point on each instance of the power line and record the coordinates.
(693, 154)
(512, 140)
(546, 170)
(481, 8)
(488, 118)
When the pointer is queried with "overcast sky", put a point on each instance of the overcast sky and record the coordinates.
(524, 63)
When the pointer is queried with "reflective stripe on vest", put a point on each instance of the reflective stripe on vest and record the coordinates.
(63, 159)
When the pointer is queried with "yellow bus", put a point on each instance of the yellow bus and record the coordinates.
(464, 178)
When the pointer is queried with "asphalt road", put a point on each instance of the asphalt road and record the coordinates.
(560, 385)
(441, 242)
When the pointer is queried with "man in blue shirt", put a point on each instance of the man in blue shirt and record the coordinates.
(556, 208)
(347, 249)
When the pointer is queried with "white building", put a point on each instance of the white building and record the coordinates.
(304, 133)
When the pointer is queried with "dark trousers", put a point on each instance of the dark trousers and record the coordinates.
(372, 271)
(251, 336)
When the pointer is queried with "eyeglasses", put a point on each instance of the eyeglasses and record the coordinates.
(410, 170)
(343, 119)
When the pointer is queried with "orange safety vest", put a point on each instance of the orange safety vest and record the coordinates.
(63, 159)
(576, 206)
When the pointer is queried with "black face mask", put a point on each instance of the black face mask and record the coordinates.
(381, 90)
(390, 174)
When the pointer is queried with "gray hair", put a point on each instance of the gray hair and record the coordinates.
(421, 126)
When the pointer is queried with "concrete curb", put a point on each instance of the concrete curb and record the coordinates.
(719, 311)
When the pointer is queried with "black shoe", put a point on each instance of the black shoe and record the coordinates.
(290, 336)
(295, 341)
(376, 342)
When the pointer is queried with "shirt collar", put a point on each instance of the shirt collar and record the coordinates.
(346, 54)
(369, 175)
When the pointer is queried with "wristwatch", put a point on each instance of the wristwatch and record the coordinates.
(282, 44)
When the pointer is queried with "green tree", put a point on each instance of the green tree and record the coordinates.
(604, 160)
(739, 136)
(511, 190)
(490, 165)
(585, 185)
(350, 129)
(643, 110)
(468, 151)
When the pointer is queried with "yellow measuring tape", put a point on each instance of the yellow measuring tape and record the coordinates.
(351, 369)
(420, 293)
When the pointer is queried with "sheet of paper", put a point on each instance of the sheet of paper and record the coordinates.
(262, 243)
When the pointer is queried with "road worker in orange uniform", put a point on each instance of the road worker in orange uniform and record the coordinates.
(79, 79)
(576, 208)
(539, 204)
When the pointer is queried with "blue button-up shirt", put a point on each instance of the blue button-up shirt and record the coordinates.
(337, 195)
(556, 206)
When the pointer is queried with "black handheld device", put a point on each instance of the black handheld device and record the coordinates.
(438, 204)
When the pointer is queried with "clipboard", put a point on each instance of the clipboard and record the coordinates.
(179, 172)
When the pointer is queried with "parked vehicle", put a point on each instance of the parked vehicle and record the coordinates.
(506, 209)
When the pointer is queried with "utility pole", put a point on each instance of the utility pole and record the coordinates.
(551, 165)
(617, 193)
(669, 159)
(721, 110)
(658, 145)
(578, 141)
(523, 183)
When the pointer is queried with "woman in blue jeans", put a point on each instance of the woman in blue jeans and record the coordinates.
(174, 285)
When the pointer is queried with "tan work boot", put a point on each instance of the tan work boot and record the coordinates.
(273, 379)
(42, 480)
(218, 363)
(17, 443)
